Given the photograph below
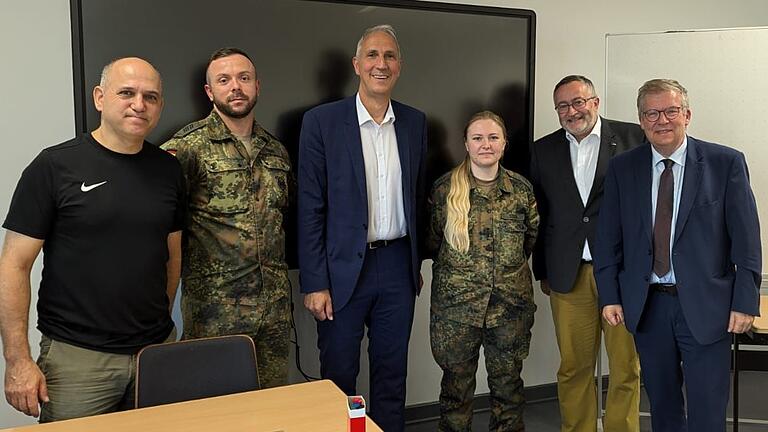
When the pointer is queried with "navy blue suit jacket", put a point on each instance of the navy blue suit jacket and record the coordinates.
(716, 248)
(333, 205)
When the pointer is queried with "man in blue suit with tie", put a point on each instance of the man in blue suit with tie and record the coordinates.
(678, 259)
(360, 194)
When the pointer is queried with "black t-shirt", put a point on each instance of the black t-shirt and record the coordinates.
(105, 218)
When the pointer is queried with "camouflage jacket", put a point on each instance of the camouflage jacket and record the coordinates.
(234, 244)
(491, 283)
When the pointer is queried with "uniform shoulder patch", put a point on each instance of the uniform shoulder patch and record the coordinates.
(186, 130)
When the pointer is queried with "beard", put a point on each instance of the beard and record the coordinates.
(583, 126)
(227, 110)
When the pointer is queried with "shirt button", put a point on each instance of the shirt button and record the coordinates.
(585, 219)
(359, 254)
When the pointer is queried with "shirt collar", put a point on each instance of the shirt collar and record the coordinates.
(218, 130)
(364, 117)
(678, 156)
(503, 182)
(595, 131)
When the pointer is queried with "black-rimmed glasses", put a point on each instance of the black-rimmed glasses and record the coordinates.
(577, 104)
(653, 115)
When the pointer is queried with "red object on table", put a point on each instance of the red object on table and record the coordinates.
(356, 410)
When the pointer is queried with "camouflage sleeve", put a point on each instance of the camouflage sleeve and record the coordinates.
(532, 224)
(188, 160)
(434, 232)
(291, 179)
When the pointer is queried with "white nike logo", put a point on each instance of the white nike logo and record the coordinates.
(85, 188)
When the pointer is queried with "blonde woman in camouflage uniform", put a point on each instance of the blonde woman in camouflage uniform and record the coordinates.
(482, 230)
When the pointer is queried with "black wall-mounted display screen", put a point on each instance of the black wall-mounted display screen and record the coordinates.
(458, 59)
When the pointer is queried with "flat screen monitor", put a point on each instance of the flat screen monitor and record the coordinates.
(457, 60)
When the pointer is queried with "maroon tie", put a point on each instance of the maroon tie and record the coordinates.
(662, 227)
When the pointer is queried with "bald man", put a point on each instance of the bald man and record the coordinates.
(106, 209)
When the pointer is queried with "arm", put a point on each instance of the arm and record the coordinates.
(173, 267)
(187, 185)
(608, 251)
(25, 384)
(312, 196)
(422, 213)
(532, 225)
(744, 231)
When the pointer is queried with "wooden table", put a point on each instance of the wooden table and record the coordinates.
(317, 406)
(756, 360)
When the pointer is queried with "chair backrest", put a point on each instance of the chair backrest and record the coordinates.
(194, 369)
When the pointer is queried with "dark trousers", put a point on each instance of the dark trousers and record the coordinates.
(669, 357)
(383, 302)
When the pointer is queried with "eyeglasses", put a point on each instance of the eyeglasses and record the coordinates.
(653, 115)
(577, 104)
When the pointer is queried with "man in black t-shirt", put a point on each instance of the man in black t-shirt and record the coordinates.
(106, 208)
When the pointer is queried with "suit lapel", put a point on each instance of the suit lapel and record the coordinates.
(606, 152)
(644, 183)
(691, 181)
(355, 144)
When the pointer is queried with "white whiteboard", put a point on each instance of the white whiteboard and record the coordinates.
(726, 74)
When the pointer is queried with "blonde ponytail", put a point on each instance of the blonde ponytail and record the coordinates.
(457, 206)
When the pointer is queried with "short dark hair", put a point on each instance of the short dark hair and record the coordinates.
(226, 52)
(576, 78)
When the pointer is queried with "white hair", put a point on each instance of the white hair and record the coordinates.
(384, 28)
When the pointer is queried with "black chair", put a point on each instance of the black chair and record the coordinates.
(195, 369)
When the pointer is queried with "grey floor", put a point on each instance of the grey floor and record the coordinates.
(545, 416)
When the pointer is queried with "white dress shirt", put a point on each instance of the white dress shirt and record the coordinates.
(584, 157)
(383, 175)
(678, 170)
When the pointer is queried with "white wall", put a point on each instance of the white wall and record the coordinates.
(36, 111)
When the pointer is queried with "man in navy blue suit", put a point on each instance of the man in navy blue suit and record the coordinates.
(678, 259)
(360, 194)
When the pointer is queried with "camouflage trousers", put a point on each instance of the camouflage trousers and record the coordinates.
(268, 325)
(456, 348)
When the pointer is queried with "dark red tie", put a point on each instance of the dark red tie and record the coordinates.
(662, 226)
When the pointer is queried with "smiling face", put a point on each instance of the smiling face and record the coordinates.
(579, 122)
(377, 63)
(232, 85)
(130, 99)
(485, 143)
(664, 134)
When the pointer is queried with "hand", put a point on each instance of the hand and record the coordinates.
(25, 386)
(319, 304)
(740, 322)
(614, 314)
(545, 286)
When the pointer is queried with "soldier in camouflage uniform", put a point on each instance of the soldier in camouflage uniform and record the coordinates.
(482, 230)
(235, 278)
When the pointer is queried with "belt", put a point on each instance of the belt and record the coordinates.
(383, 243)
(666, 288)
